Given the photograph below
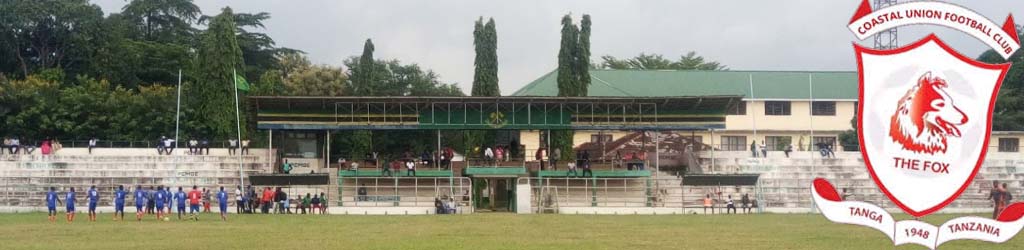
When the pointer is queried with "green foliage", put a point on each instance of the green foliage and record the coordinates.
(40, 107)
(392, 78)
(165, 21)
(690, 61)
(573, 73)
(211, 111)
(485, 77)
(1009, 111)
(848, 139)
(42, 34)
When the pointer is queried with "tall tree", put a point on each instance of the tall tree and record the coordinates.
(168, 21)
(485, 77)
(583, 56)
(363, 71)
(567, 79)
(44, 34)
(212, 104)
(690, 61)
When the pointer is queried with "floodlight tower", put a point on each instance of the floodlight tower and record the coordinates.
(885, 39)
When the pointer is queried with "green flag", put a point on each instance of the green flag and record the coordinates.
(240, 83)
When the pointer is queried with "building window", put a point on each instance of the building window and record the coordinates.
(828, 141)
(734, 143)
(777, 143)
(739, 109)
(1009, 145)
(776, 108)
(599, 138)
(823, 108)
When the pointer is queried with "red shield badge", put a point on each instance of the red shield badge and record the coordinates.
(924, 121)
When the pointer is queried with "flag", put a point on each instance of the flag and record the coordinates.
(241, 83)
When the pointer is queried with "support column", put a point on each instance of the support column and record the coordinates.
(270, 149)
(657, 156)
(329, 150)
(712, 150)
(437, 155)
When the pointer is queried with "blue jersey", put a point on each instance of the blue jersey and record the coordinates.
(159, 198)
(181, 198)
(119, 196)
(51, 199)
(222, 197)
(70, 199)
(140, 197)
(94, 196)
(168, 196)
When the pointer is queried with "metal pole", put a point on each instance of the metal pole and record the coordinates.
(753, 114)
(270, 148)
(712, 149)
(238, 124)
(329, 149)
(657, 158)
(177, 114)
(810, 87)
(437, 156)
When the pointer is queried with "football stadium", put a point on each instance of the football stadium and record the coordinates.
(209, 135)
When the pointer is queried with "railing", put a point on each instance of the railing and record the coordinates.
(124, 144)
(402, 192)
(550, 193)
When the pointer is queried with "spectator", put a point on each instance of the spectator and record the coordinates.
(167, 145)
(831, 151)
(254, 199)
(539, 156)
(499, 154)
(450, 154)
(572, 170)
(55, 144)
(267, 199)
(316, 204)
(193, 146)
(586, 156)
(1007, 196)
(629, 161)
(305, 203)
(396, 168)
(753, 149)
(729, 205)
(15, 146)
(789, 148)
(206, 200)
(488, 155)
(386, 170)
(410, 168)
(245, 147)
(586, 169)
(996, 195)
(426, 158)
(745, 203)
(232, 146)
(285, 209)
(323, 203)
(341, 162)
(6, 145)
(92, 144)
(354, 166)
(555, 155)
(709, 204)
(239, 200)
(361, 192)
(764, 150)
(46, 148)
(845, 194)
(641, 158)
(438, 206)
(753, 204)
(204, 144)
(28, 147)
(286, 167)
(617, 160)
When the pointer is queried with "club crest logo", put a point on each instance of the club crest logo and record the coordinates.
(926, 117)
(923, 122)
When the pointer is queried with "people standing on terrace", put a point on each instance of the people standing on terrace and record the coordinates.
(753, 149)
(539, 156)
(586, 169)
(245, 147)
(193, 146)
(92, 144)
(499, 154)
(555, 156)
(488, 155)
(764, 150)
(232, 146)
(572, 170)
(789, 148)
(204, 144)
(410, 168)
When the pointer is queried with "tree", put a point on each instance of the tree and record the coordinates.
(44, 34)
(166, 21)
(690, 61)
(1009, 111)
(485, 77)
(849, 139)
(568, 80)
(211, 107)
(583, 56)
(363, 69)
(573, 73)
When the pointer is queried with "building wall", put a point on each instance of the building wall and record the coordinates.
(799, 119)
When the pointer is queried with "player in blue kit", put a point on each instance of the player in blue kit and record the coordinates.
(222, 200)
(51, 204)
(70, 202)
(159, 199)
(140, 202)
(119, 196)
(94, 198)
(169, 199)
(180, 198)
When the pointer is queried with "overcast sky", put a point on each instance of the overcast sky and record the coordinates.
(438, 35)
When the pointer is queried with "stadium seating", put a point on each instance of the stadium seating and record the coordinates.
(24, 179)
(785, 182)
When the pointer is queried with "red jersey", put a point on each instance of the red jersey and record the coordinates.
(194, 196)
(268, 195)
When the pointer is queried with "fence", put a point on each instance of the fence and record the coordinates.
(402, 192)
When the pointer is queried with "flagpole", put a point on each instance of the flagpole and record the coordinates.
(238, 124)
(753, 118)
(177, 114)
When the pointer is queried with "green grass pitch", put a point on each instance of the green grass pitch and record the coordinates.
(477, 231)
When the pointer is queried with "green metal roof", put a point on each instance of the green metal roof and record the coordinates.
(768, 85)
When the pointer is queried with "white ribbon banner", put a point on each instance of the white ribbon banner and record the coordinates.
(832, 206)
(1003, 39)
